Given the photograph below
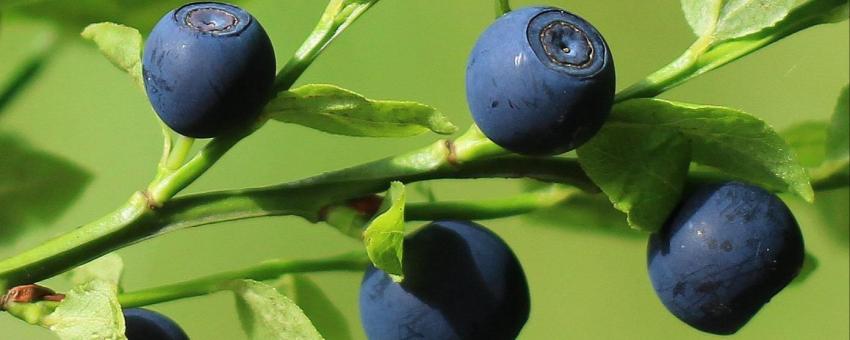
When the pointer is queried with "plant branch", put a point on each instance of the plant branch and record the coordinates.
(502, 7)
(489, 209)
(356, 261)
(338, 15)
(129, 223)
(173, 181)
(142, 217)
(704, 56)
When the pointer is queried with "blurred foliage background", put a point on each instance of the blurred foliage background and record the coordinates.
(587, 275)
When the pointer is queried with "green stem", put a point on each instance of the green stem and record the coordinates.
(502, 7)
(668, 76)
(356, 261)
(163, 189)
(489, 209)
(470, 156)
(705, 55)
(177, 155)
(338, 15)
(125, 225)
(167, 142)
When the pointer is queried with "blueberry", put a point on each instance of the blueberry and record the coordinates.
(724, 253)
(143, 324)
(540, 81)
(461, 281)
(208, 68)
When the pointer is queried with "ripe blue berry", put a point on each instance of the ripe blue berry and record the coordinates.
(725, 252)
(461, 281)
(143, 324)
(540, 81)
(208, 67)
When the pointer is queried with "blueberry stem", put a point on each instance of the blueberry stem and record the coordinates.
(490, 209)
(338, 15)
(268, 270)
(160, 191)
(706, 55)
(502, 7)
(177, 155)
(166, 150)
(667, 77)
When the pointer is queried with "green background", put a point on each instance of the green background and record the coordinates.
(585, 284)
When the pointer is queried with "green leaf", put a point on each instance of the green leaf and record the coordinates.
(642, 169)
(384, 236)
(90, 311)
(838, 136)
(728, 19)
(808, 141)
(107, 268)
(335, 110)
(266, 314)
(329, 320)
(732, 141)
(35, 187)
(120, 44)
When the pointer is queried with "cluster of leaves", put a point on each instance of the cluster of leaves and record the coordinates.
(642, 160)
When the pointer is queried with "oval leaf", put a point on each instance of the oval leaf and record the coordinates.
(120, 44)
(739, 144)
(641, 169)
(384, 236)
(728, 19)
(266, 314)
(335, 110)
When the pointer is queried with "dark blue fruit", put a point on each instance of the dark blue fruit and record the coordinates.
(540, 81)
(143, 324)
(461, 281)
(725, 252)
(208, 68)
